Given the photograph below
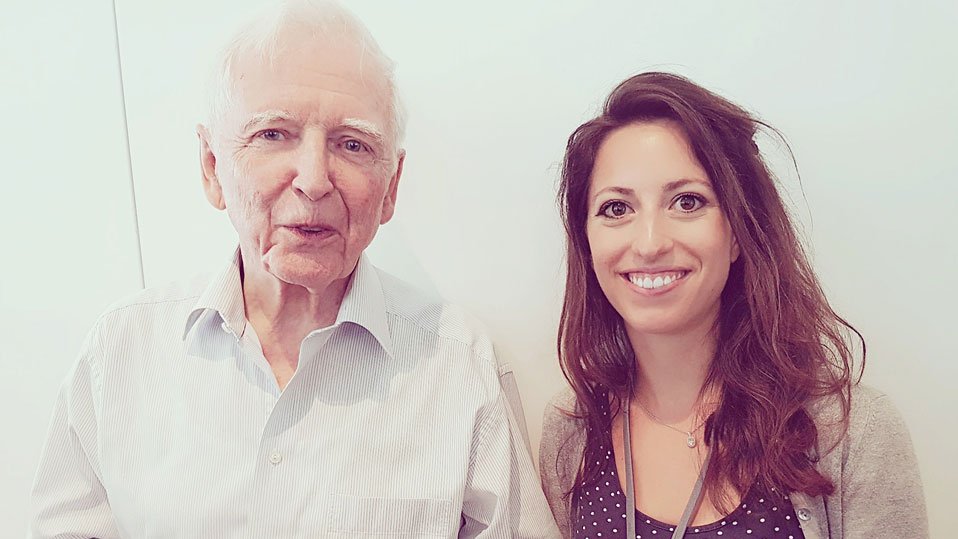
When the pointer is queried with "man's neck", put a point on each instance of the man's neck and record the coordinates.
(283, 314)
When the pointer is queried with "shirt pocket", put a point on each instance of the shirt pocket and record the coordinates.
(354, 516)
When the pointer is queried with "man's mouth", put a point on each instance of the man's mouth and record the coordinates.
(311, 232)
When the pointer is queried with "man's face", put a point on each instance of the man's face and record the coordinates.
(303, 162)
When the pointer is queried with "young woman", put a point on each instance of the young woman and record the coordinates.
(712, 393)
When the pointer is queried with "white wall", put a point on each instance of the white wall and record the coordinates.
(69, 244)
(864, 95)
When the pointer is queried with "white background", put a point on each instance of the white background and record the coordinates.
(862, 90)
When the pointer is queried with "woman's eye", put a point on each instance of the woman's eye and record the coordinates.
(614, 209)
(688, 203)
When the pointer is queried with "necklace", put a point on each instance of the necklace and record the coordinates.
(689, 436)
(682, 526)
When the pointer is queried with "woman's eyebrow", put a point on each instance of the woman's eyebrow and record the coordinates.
(682, 182)
(624, 191)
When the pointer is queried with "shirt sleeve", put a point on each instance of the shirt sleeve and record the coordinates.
(503, 498)
(507, 380)
(882, 489)
(68, 500)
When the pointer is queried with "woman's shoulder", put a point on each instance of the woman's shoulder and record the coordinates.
(875, 416)
(562, 401)
(563, 432)
(873, 419)
(559, 421)
(870, 406)
(867, 405)
(873, 466)
(560, 453)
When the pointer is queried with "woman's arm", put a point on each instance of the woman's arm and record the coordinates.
(881, 490)
(560, 452)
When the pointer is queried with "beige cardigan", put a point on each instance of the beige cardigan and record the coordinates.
(878, 491)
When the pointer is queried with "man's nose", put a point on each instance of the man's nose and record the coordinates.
(312, 178)
(652, 237)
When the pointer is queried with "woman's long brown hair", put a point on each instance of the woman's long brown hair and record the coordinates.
(780, 345)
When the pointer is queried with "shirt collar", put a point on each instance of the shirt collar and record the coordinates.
(223, 296)
(364, 303)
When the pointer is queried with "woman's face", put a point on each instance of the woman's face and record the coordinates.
(661, 246)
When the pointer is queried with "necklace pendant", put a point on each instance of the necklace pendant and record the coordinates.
(690, 441)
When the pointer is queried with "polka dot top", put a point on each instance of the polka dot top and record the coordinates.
(599, 512)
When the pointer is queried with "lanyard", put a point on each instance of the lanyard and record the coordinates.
(679, 532)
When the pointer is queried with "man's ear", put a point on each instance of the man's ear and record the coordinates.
(211, 183)
(389, 202)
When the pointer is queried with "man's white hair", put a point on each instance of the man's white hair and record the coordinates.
(322, 20)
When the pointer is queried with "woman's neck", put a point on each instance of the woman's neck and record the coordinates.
(672, 371)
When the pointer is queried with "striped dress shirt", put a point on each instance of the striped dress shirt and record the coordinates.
(172, 425)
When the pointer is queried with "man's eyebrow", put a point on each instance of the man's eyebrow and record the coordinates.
(365, 127)
(267, 117)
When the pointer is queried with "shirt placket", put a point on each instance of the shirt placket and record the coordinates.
(277, 483)
(275, 478)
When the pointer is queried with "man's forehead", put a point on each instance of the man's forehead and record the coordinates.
(302, 76)
(311, 57)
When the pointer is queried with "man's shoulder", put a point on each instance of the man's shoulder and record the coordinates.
(175, 295)
(429, 313)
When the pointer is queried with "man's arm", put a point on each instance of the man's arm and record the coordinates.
(507, 380)
(68, 500)
(503, 497)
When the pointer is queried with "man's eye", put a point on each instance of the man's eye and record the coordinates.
(614, 209)
(688, 202)
(353, 145)
(272, 135)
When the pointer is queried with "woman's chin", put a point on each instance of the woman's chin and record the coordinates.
(653, 327)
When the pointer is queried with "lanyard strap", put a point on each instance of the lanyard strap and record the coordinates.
(680, 528)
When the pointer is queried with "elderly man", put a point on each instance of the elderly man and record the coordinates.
(301, 392)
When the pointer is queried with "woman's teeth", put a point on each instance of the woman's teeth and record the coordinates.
(651, 283)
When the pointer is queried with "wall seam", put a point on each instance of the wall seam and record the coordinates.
(129, 155)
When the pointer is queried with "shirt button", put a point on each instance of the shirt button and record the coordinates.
(275, 458)
(803, 514)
